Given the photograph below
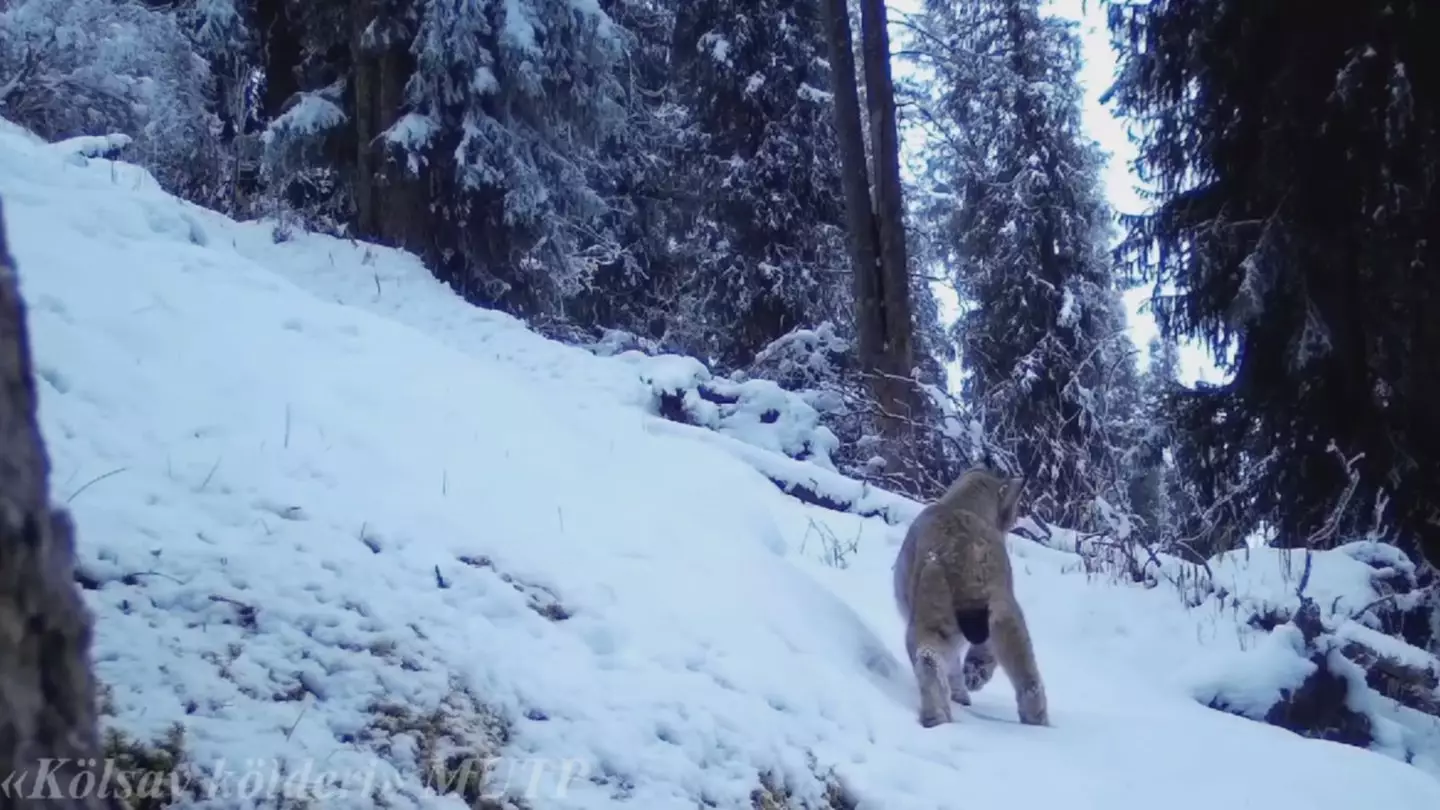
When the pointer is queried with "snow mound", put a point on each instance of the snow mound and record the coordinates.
(1347, 647)
(347, 537)
(757, 412)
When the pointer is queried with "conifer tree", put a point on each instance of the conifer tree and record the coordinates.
(639, 288)
(479, 135)
(1048, 368)
(143, 78)
(765, 232)
(1151, 478)
(1294, 157)
(509, 107)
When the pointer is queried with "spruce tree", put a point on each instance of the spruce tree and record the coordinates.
(479, 135)
(639, 288)
(765, 230)
(510, 105)
(1151, 478)
(1294, 158)
(1046, 361)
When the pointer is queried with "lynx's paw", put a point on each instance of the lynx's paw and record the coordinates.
(932, 716)
(978, 667)
(958, 692)
(1031, 706)
(934, 683)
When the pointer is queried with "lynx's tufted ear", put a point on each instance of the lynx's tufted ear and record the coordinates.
(1010, 501)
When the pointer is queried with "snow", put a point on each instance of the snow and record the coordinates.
(412, 131)
(1388, 646)
(318, 496)
(1253, 680)
(80, 147)
(758, 412)
(718, 46)
(484, 83)
(1069, 313)
(517, 28)
(814, 95)
(1341, 582)
(312, 113)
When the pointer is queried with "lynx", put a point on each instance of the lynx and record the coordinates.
(955, 590)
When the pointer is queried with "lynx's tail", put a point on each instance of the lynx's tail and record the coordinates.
(974, 624)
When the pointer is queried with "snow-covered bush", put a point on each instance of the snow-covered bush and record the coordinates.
(1347, 645)
(615, 341)
(819, 367)
(1341, 644)
(1297, 678)
(804, 359)
(800, 398)
(757, 412)
(306, 190)
(96, 67)
(816, 366)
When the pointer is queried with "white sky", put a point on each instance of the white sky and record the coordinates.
(1120, 182)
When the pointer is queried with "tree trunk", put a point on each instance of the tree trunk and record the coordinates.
(49, 737)
(898, 357)
(889, 203)
(864, 238)
(389, 201)
(365, 91)
(877, 231)
(281, 55)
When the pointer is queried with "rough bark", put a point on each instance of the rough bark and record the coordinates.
(883, 322)
(49, 737)
(364, 83)
(281, 54)
(389, 200)
(400, 194)
(889, 202)
(863, 237)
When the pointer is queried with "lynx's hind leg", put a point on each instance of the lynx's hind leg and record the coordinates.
(930, 636)
(928, 656)
(1010, 639)
(954, 664)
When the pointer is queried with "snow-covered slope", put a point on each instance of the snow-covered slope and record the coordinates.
(347, 531)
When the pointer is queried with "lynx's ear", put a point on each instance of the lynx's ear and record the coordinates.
(1010, 501)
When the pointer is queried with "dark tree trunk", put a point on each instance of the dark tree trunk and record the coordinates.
(365, 83)
(864, 238)
(49, 738)
(883, 322)
(889, 204)
(389, 201)
(280, 54)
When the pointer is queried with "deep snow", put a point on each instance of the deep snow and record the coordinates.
(318, 497)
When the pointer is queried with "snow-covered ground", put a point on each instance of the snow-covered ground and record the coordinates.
(348, 531)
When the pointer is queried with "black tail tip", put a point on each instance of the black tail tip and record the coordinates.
(974, 624)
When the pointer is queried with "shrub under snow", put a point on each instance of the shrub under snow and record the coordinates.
(96, 67)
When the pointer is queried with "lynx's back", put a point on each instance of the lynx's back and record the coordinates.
(962, 534)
